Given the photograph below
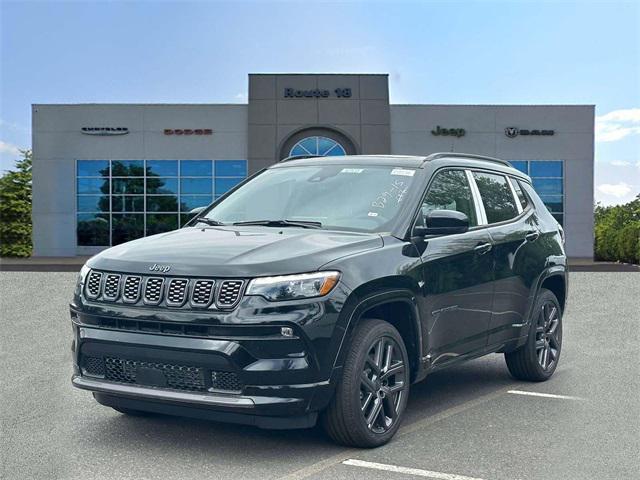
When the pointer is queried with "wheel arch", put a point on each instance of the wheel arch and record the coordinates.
(397, 307)
(556, 282)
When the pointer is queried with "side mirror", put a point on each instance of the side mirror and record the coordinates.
(443, 222)
(196, 210)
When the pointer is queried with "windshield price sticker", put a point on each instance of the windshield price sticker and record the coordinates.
(403, 171)
(352, 170)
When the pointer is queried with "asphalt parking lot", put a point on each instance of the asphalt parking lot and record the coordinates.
(471, 421)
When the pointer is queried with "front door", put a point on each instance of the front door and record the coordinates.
(458, 274)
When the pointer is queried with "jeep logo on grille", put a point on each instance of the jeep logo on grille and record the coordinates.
(159, 268)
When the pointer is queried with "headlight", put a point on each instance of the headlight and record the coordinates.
(82, 276)
(291, 287)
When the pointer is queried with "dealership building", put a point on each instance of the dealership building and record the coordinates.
(104, 174)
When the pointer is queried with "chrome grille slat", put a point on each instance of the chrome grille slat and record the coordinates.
(177, 292)
(153, 290)
(94, 284)
(111, 286)
(202, 293)
(131, 289)
(229, 293)
(136, 289)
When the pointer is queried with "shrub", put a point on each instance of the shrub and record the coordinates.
(617, 232)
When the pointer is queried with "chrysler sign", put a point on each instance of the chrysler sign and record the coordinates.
(317, 93)
(103, 131)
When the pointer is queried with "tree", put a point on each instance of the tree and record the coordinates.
(617, 232)
(15, 209)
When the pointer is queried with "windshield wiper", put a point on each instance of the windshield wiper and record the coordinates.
(209, 221)
(281, 223)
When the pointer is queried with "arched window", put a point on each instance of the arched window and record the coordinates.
(317, 146)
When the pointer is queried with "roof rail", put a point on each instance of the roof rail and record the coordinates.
(434, 156)
(299, 157)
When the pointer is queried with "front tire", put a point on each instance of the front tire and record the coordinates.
(372, 392)
(538, 358)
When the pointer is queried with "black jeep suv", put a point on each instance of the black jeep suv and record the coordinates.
(325, 287)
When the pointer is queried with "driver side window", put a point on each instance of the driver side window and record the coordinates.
(450, 190)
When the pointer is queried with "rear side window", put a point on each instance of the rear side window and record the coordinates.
(450, 190)
(522, 198)
(499, 204)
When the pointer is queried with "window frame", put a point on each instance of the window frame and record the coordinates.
(514, 197)
(425, 192)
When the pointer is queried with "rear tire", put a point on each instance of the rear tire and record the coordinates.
(536, 360)
(372, 391)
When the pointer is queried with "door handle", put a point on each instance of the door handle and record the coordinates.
(482, 248)
(532, 236)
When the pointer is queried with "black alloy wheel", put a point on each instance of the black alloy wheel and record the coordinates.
(548, 336)
(382, 385)
(537, 359)
(373, 387)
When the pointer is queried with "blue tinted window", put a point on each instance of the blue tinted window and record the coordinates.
(195, 185)
(93, 185)
(553, 202)
(546, 169)
(189, 202)
(231, 168)
(93, 203)
(162, 203)
(548, 186)
(196, 168)
(93, 229)
(223, 185)
(93, 168)
(162, 168)
(519, 165)
(162, 186)
(127, 168)
(317, 146)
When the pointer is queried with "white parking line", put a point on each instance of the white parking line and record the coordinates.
(405, 470)
(546, 395)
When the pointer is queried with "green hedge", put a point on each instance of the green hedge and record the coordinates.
(617, 232)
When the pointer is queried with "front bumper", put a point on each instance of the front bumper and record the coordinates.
(278, 382)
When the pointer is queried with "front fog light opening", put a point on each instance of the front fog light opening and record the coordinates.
(286, 331)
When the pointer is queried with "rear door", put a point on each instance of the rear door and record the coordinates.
(457, 272)
(513, 227)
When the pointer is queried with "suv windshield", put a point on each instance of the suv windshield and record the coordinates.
(360, 198)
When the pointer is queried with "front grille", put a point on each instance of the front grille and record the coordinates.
(178, 377)
(93, 284)
(177, 292)
(153, 290)
(111, 286)
(93, 366)
(134, 289)
(229, 293)
(202, 293)
(131, 290)
(227, 381)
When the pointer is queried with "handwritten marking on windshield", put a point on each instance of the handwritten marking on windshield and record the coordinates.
(395, 192)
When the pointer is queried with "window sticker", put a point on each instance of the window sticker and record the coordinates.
(352, 170)
(403, 171)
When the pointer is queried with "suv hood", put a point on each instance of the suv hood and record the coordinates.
(235, 251)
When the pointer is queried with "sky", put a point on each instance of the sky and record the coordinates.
(459, 52)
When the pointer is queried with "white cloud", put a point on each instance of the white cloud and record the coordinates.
(241, 96)
(620, 163)
(8, 149)
(618, 124)
(617, 190)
